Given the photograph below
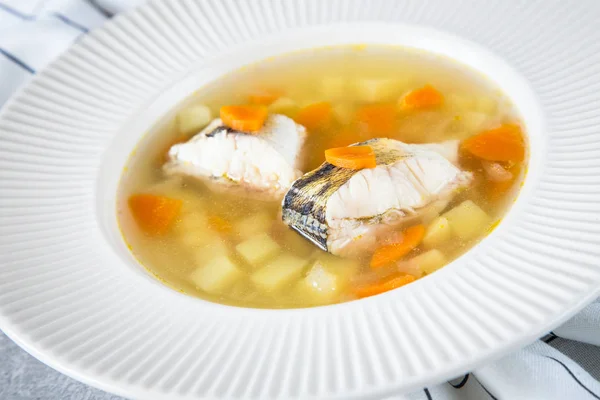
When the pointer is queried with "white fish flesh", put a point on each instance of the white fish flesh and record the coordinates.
(347, 212)
(263, 164)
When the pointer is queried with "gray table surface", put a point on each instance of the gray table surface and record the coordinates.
(22, 377)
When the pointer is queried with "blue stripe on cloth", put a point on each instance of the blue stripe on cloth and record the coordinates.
(71, 23)
(17, 61)
(15, 13)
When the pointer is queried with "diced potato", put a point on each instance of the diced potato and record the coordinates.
(193, 221)
(258, 249)
(333, 87)
(285, 106)
(193, 118)
(321, 281)
(376, 90)
(473, 121)
(467, 220)
(486, 105)
(437, 233)
(279, 272)
(343, 268)
(253, 224)
(430, 261)
(343, 113)
(216, 274)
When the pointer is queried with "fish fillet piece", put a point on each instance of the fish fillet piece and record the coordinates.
(348, 212)
(263, 164)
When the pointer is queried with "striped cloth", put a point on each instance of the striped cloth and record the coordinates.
(565, 364)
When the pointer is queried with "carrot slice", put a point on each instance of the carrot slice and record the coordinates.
(388, 254)
(244, 118)
(154, 214)
(219, 224)
(371, 290)
(314, 115)
(263, 97)
(353, 157)
(376, 118)
(504, 143)
(425, 97)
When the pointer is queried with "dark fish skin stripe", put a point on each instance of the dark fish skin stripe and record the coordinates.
(225, 129)
(304, 205)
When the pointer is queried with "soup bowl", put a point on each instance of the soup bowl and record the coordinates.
(72, 294)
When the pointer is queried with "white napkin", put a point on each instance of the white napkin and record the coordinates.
(564, 365)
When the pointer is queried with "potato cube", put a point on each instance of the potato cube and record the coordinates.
(253, 225)
(378, 89)
(285, 106)
(460, 103)
(343, 268)
(216, 274)
(467, 220)
(209, 248)
(430, 261)
(193, 118)
(279, 272)
(437, 232)
(333, 87)
(257, 249)
(472, 121)
(321, 281)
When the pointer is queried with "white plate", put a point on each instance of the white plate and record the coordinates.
(71, 294)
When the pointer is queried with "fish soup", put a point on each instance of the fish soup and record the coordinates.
(322, 176)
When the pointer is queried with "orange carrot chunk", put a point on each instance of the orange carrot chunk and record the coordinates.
(314, 115)
(425, 97)
(504, 143)
(154, 214)
(371, 290)
(388, 254)
(263, 97)
(376, 118)
(219, 224)
(244, 118)
(353, 157)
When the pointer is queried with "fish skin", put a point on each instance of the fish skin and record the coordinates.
(315, 204)
(262, 164)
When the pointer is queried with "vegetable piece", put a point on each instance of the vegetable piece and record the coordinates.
(352, 157)
(467, 220)
(257, 249)
(390, 253)
(207, 249)
(430, 261)
(314, 115)
(377, 89)
(333, 87)
(154, 214)
(192, 119)
(264, 97)
(344, 269)
(423, 98)
(496, 172)
(472, 121)
(279, 272)
(377, 288)
(486, 105)
(321, 281)
(219, 224)
(437, 233)
(284, 105)
(504, 143)
(377, 119)
(253, 225)
(244, 118)
(216, 275)
(460, 102)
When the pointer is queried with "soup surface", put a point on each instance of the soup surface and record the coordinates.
(227, 245)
